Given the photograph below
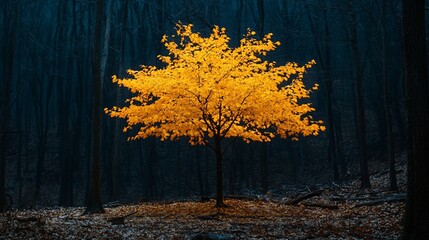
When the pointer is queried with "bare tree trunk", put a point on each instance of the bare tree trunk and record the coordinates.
(116, 166)
(64, 95)
(360, 108)
(10, 14)
(324, 55)
(416, 219)
(219, 190)
(94, 204)
(390, 145)
(42, 110)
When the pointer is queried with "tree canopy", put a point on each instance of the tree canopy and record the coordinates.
(207, 89)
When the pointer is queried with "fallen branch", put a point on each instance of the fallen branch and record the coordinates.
(305, 196)
(392, 199)
(112, 204)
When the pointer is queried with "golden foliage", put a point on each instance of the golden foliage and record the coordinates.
(207, 89)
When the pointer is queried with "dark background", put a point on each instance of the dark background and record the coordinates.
(46, 82)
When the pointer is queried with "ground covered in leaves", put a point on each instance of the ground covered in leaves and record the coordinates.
(340, 211)
(185, 220)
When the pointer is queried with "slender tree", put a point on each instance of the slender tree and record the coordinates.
(416, 220)
(323, 49)
(93, 204)
(208, 92)
(116, 166)
(10, 15)
(358, 75)
(64, 99)
(390, 144)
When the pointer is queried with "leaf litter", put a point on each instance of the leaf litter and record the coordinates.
(242, 219)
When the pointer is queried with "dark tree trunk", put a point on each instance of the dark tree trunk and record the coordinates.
(416, 220)
(93, 204)
(323, 49)
(8, 52)
(218, 151)
(390, 145)
(207, 185)
(332, 152)
(116, 166)
(41, 151)
(151, 182)
(64, 95)
(359, 94)
(21, 138)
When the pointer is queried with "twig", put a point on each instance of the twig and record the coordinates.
(305, 196)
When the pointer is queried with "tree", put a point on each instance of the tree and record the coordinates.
(417, 86)
(93, 204)
(10, 23)
(358, 75)
(208, 91)
(390, 144)
(323, 48)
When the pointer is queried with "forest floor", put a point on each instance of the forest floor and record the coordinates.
(338, 211)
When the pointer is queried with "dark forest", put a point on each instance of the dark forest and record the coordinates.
(63, 156)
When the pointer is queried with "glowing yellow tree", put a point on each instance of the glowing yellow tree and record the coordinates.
(208, 91)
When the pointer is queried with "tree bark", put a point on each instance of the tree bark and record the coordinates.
(64, 94)
(390, 146)
(8, 53)
(93, 204)
(324, 57)
(416, 220)
(219, 192)
(305, 196)
(359, 94)
(116, 166)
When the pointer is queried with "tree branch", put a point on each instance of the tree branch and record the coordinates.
(305, 196)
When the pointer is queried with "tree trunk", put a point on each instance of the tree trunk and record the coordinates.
(416, 220)
(323, 50)
(116, 166)
(263, 168)
(93, 204)
(8, 52)
(64, 94)
(219, 192)
(390, 145)
(359, 94)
